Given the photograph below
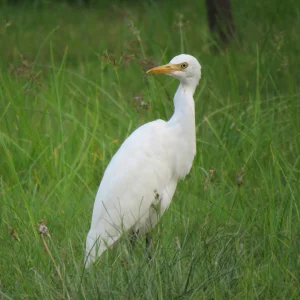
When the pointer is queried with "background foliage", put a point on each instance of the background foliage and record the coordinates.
(73, 87)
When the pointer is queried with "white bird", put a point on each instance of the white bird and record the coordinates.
(140, 180)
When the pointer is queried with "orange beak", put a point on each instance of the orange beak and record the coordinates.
(165, 69)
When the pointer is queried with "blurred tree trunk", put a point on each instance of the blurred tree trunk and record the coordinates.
(220, 19)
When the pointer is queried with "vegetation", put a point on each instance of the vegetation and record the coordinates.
(73, 87)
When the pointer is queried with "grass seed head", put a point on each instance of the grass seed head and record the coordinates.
(43, 229)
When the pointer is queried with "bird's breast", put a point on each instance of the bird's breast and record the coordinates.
(183, 147)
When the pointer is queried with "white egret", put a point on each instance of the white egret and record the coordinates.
(140, 180)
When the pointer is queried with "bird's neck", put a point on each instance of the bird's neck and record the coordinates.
(183, 129)
(184, 104)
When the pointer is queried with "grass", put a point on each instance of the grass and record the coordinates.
(73, 87)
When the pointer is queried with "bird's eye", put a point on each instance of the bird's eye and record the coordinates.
(184, 65)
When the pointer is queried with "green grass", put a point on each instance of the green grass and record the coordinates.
(66, 107)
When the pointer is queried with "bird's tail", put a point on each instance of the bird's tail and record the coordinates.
(96, 245)
(92, 249)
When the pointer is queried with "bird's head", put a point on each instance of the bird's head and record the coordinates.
(184, 67)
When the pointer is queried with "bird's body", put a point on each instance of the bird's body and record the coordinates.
(139, 182)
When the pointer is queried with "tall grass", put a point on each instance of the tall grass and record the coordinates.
(73, 87)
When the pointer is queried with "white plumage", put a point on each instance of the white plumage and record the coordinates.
(140, 181)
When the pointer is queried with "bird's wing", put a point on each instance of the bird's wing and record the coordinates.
(140, 169)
